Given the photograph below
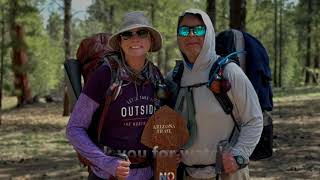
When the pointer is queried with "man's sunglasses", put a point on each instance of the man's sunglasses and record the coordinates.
(184, 31)
(129, 34)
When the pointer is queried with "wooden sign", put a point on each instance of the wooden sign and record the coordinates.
(165, 132)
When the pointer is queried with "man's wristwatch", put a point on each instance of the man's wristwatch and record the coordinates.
(241, 161)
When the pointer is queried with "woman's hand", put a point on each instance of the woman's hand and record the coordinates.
(122, 171)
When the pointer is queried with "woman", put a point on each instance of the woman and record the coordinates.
(209, 125)
(134, 103)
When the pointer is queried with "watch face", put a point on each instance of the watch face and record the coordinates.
(240, 160)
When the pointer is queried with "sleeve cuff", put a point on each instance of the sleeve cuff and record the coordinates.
(108, 170)
(236, 152)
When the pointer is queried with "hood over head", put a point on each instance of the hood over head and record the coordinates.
(208, 53)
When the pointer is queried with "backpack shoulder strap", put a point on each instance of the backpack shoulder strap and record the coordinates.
(111, 91)
(155, 74)
(173, 83)
(177, 72)
(216, 73)
(113, 62)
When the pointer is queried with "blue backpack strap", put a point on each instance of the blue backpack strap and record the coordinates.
(223, 97)
(174, 83)
(177, 72)
(158, 82)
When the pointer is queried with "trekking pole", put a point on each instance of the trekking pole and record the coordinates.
(223, 146)
(219, 162)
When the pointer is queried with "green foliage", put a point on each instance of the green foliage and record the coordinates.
(55, 26)
(45, 56)
(222, 15)
(308, 17)
(7, 75)
(45, 40)
(261, 22)
(45, 60)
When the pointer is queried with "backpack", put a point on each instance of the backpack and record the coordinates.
(256, 66)
(91, 54)
(255, 63)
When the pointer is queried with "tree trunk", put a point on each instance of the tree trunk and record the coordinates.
(308, 56)
(316, 60)
(2, 59)
(211, 11)
(111, 16)
(153, 13)
(67, 24)
(19, 62)
(19, 58)
(275, 45)
(280, 46)
(67, 28)
(152, 6)
(316, 72)
(238, 14)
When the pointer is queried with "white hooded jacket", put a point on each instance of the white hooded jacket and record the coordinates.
(212, 123)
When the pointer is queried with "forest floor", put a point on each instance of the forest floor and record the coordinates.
(33, 143)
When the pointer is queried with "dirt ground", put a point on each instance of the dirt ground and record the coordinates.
(33, 143)
(296, 143)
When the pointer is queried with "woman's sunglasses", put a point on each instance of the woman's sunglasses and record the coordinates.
(184, 31)
(129, 34)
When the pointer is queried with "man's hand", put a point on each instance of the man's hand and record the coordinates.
(122, 171)
(229, 163)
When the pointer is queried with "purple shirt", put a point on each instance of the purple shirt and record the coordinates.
(124, 123)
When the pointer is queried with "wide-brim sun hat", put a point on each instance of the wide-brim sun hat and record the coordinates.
(134, 20)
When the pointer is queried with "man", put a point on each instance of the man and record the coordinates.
(207, 122)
